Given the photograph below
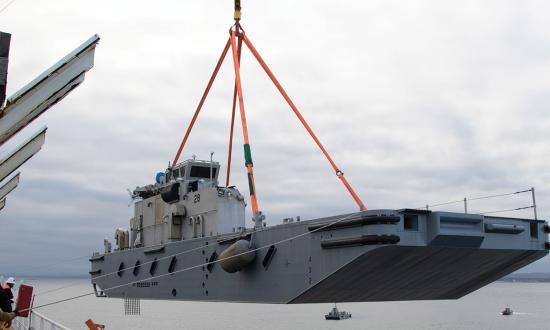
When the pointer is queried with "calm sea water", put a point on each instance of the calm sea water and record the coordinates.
(479, 310)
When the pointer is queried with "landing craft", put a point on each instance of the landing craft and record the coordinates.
(188, 241)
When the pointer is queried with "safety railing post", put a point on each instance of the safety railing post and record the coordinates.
(534, 202)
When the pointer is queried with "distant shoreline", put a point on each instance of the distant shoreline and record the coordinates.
(527, 278)
(519, 278)
(53, 277)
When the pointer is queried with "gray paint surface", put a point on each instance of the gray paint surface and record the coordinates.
(9, 186)
(23, 153)
(302, 271)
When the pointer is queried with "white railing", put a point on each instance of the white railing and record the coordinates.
(466, 199)
(36, 321)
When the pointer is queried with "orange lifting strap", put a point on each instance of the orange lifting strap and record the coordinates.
(339, 173)
(237, 36)
(230, 149)
(203, 98)
(247, 151)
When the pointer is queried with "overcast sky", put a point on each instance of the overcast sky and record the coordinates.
(418, 102)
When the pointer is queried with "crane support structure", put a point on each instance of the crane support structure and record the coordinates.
(236, 37)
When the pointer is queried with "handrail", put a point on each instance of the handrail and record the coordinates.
(37, 321)
(466, 199)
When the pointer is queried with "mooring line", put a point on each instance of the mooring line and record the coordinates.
(145, 263)
(509, 210)
(199, 265)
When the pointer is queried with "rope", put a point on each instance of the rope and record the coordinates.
(217, 243)
(131, 267)
(197, 266)
(6, 6)
(54, 265)
(219, 260)
(143, 264)
(499, 195)
(446, 203)
(476, 198)
(508, 210)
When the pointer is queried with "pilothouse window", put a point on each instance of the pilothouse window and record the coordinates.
(202, 172)
(410, 222)
(533, 229)
(175, 173)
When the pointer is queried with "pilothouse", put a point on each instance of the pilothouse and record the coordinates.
(185, 202)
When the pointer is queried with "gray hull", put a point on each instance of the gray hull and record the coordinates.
(379, 255)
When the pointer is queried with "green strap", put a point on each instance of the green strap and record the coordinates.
(250, 186)
(247, 155)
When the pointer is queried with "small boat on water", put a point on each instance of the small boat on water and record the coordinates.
(335, 314)
(507, 311)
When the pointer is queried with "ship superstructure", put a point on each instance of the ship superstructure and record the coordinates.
(185, 203)
(187, 241)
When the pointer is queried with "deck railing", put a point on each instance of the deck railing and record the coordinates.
(37, 321)
(466, 199)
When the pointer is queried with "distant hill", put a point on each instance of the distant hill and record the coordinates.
(527, 277)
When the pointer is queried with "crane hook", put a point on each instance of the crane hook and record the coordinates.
(237, 14)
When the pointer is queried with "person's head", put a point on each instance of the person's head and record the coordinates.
(10, 282)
